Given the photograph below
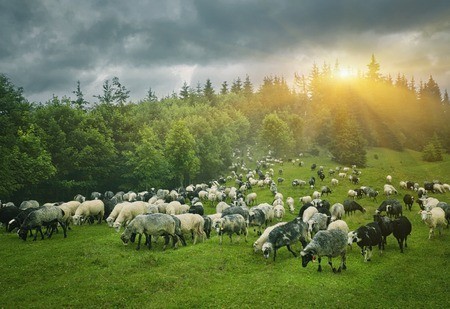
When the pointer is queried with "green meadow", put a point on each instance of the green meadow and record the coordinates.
(91, 268)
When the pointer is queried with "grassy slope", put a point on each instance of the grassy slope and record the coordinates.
(91, 268)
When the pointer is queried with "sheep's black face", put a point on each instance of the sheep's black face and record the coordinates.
(23, 233)
(124, 239)
(308, 257)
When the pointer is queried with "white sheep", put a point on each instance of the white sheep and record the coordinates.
(290, 203)
(315, 195)
(403, 185)
(342, 175)
(87, 209)
(352, 194)
(429, 203)
(305, 199)
(278, 212)
(192, 224)
(71, 206)
(434, 218)
(308, 213)
(389, 178)
(221, 206)
(257, 245)
(176, 208)
(340, 225)
(251, 198)
(334, 182)
(389, 189)
(129, 212)
(337, 211)
(437, 187)
(114, 213)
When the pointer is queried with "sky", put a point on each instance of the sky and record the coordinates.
(46, 46)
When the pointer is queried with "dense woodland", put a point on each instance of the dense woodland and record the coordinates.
(51, 151)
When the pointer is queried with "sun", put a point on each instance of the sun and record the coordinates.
(346, 73)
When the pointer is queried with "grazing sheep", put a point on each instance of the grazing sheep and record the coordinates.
(251, 198)
(238, 210)
(193, 224)
(384, 204)
(334, 182)
(28, 204)
(290, 202)
(87, 209)
(324, 190)
(401, 229)
(337, 211)
(151, 225)
(7, 214)
(257, 217)
(257, 245)
(128, 212)
(434, 218)
(389, 178)
(329, 243)
(365, 237)
(305, 199)
(207, 226)
(389, 190)
(48, 216)
(197, 208)
(351, 206)
(231, 224)
(395, 210)
(340, 225)
(446, 209)
(115, 213)
(286, 235)
(427, 203)
(176, 208)
(221, 206)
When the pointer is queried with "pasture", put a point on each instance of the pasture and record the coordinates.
(92, 268)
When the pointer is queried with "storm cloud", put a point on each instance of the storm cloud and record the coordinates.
(47, 46)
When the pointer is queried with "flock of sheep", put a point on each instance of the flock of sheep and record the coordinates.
(175, 214)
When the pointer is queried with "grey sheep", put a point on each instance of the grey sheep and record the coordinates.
(48, 216)
(150, 225)
(330, 243)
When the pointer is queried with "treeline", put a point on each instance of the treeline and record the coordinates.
(66, 146)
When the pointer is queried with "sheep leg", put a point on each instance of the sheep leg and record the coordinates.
(174, 241)
(330, 262)
(139, 242)
(320, 266)
(166, 241)
(183, 241)
(289, 248)
(40, 230)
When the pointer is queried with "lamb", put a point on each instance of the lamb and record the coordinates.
(192, 223)
(337, 211)
(330, 243)
(389, 178)
(401, 229)
(151, 225)
(434, 218)
(315, 195)
(87, 209)
(48, 216)
(365, 237)
(334, 182)
(389, 190)
(286, 235)
(290, 203)
(128, 212)
(257, 245)
(231, 224)
(324, 190)
(340, 225)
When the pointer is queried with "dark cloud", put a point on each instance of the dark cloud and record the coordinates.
(48, 45)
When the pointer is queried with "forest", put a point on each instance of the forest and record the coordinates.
(51, 151)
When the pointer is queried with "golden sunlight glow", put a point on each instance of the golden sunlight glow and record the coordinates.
(346, 73)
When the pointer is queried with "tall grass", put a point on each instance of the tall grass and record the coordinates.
(92, 268)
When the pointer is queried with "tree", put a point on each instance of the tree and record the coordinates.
(276, 136)
(248, 87)
(208, 91)
(374, 70)
(184, 92)
(24, 160)
(146, 163)
(151, 95)
(180, 153)
(431, 91)
(432, 151)
(79, 102)
(108, 96)
(224, 88)
(236, 87)
(113, 93)
(121, 94)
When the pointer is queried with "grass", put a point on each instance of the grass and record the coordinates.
(92, 268)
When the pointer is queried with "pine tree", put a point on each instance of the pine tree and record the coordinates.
(374, 70)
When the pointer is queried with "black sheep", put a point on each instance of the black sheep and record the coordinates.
(408, 199)
(7, 214)
(366, 237)
(386, 227)
(401, 229)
